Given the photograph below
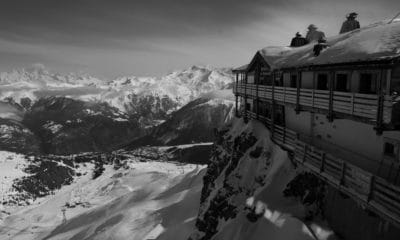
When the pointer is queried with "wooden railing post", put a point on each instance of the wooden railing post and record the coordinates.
(305, 153)
(273, 106)
(352, 103)
(343, 172)
(245, 117)
(331, 83)
(371, 188)
(298, 92)
(258, 74)
(379, 113)
(312, 98)
(236, 105)
(284, 135)
(321, 169)
(237, 82)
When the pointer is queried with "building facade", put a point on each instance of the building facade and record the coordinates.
(337, 111)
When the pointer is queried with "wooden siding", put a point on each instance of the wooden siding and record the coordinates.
(373, 192)
(365, 106)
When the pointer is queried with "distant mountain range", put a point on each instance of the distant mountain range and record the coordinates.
(45, 112)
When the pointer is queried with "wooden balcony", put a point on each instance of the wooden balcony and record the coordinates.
(373, 192)
(369, 108)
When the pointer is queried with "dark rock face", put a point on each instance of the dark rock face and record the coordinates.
(220, 206)
(15, 137)
(150, 108)
(193, 123)
(66, 126)
(310, 191)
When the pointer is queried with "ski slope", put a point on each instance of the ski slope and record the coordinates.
(146, 200)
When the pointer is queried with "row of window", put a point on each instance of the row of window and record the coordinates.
(365, 82)
(265, 110)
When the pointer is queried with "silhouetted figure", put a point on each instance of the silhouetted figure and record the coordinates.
(320, 46)
(298, 41)
(313, 34)
(350, 24)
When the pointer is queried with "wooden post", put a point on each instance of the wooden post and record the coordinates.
(321, 169)
(284, 135)
(305, 153)
(379, 113)
(371, 188)
(257, 81)
(352, 103)
(245, 117)
(343, 173)
(273, 85)
(298, 76)
(237, 83)
(273, 106)
(331, 83)
(236, 105)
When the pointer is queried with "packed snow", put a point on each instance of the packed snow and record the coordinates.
(12, 166)
(373, 42)
(143, 200)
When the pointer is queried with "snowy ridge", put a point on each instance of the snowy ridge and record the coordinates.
(178, 87)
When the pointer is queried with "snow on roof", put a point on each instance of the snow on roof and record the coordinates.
(241, 68)
(379, 41)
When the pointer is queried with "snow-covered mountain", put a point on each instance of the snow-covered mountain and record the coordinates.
(73, 113)
(148, 98)
(195, 122)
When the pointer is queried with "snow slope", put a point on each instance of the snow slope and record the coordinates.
(243, 194)
(144, 200)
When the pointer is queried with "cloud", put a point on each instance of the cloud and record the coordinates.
(114, 37)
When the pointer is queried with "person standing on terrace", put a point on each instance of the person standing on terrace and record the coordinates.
(350, 24)
(313, 34)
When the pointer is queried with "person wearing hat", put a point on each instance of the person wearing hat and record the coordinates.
(350, 24)
(298, 41)
(313, 34)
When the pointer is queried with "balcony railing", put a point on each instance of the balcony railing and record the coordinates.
(366, 106)
(374, 192)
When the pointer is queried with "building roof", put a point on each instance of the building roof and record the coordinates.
(241, 68)
(379, 41)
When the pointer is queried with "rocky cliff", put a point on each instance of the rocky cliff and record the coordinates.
(252, 190)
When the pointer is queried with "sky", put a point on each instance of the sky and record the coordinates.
(111, 38)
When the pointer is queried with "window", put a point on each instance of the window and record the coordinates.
(266, 79)
(250, 77)
(248, 107)
(255, 110)
(279, 116)
(265, 109)
(341, 83)
(286, 79)
(322, 81)
(368, 83)
(293, 81)
(279, 81)
(391, 149)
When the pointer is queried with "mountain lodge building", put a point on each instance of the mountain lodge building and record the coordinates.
(336, 112)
